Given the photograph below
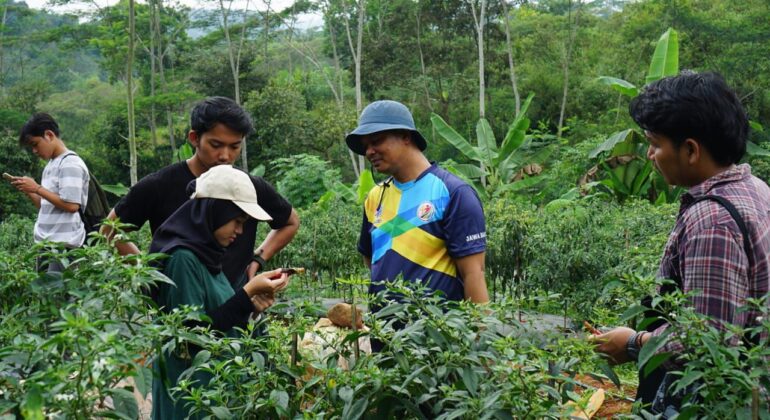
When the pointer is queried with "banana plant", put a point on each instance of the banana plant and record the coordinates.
(495, 168)
(351, 193)
(626, 169)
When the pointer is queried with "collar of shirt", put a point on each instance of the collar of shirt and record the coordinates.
(734, 173)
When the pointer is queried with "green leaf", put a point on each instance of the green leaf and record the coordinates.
(665, 59)
(203, 356)
(143, 379)
(470, 171)
(611, 142)
(470, 379)
(281, 398)
(32, 406)
(651, 347)
(185, 152)
(655, 361)
(632, 312)
(454, 138)
(752, 149)
(258, 171)
(125, 403)
(116, 189)
(221, 412)
(355, 410)
(365, 184)
(517, 131)
(486, 141)
(610, 373)
(620, 85)
(346, 394)
(756, 126)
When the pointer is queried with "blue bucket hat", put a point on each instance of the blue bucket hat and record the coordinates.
(382, 116)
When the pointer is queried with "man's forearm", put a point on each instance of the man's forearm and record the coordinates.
(471, 270)
(54, 199)
(277, 239)
(124, 248)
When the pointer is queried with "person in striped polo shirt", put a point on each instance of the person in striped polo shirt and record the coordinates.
(62, 191)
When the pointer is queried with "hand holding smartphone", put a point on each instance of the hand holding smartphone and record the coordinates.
(293, 270)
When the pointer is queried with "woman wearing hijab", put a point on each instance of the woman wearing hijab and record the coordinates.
(195, 238)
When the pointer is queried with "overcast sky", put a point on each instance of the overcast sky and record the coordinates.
(276, 5)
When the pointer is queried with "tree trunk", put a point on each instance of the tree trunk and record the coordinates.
(571, 35)
(130, 91)
(356, 53)
(510, 56)
(153, 56)
(234, 65)
(479, 21)
(422, 61)
(2, 50)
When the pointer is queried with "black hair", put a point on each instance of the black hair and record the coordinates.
(36, 127)
(220, 110)
(697, 106)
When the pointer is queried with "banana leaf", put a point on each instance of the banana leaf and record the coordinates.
(752, 149)
(486, 141)
(365, 184)
(665, 59)
(517, 131)
(620, 85)
(454, 138)
(611, 142)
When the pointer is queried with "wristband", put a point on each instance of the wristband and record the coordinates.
(258, 258)
(634, 345)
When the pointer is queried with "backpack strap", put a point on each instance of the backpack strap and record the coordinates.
(749, 341)
(735, 215)
(82, 207)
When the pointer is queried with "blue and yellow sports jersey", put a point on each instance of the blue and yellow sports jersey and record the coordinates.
(415, 229)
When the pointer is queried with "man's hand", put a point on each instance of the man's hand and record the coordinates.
(613, 344)
(25, 184)
(252, 269)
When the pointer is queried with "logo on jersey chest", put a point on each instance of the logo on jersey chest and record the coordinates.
(426, 211)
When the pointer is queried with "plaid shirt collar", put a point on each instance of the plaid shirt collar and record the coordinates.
(732, 174)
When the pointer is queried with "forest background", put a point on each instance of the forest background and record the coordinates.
(305, 86)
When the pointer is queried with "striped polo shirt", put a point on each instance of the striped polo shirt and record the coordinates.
(66, 176)
(416, 229)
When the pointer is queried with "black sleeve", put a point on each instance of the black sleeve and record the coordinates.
(273, 203)
(233, 313)
(134, 207)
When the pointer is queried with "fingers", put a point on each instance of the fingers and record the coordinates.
(262, 301)
(251, 270)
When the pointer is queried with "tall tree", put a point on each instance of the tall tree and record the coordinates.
(234, 54)
(479, 19)
(572, 29)
(356, 52)
(509, 47)
(130, 92)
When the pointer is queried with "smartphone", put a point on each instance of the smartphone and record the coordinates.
(293, 270)
(8, 177)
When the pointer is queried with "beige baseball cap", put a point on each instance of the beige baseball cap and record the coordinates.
(227, 183)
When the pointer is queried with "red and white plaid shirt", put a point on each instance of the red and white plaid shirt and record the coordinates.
(705, 250)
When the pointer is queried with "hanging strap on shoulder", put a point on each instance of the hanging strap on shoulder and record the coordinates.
(735, 215)
(749, 341)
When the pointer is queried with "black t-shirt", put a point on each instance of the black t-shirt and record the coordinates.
(158, 195)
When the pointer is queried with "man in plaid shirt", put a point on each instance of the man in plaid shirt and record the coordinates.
(697, 129)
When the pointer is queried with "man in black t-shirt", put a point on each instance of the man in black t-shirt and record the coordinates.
(218, 130)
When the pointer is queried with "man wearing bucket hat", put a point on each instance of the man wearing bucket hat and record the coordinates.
(422, 223)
